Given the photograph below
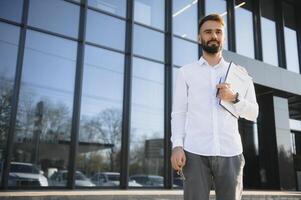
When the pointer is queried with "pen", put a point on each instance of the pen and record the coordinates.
(220, 80)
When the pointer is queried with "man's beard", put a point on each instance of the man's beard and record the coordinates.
(213, 48)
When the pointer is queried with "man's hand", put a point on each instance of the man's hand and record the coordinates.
(178, 158)
(225, 92)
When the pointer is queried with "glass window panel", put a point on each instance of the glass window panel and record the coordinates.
(185, 18)
(184, 52)
(177, 181)
(116, 7)
(218, 7)
(9, 39)
(101, 112)
(56, 15)
(143, 46)
(244, 28)
(150, 12)
(11, 10)
(290, 38)
(42, 137)
(268, 32)
(105, 30)
(147, 128)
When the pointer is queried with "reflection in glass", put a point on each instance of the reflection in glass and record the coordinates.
(101, 111)
(143, 46)
(56, 15)
(290, 37)
(150, 13)
(9, 39)
(218, 7)
(11, 9)
(116, 7)
(268, 33)
(184, 52)
(177, 181)
(185, 20)
(105, 30)
(147, 128)
(42, 137)
(244, 28)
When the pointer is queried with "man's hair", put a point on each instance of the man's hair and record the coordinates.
(211, 17)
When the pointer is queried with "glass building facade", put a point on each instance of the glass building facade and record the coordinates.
(86, 89)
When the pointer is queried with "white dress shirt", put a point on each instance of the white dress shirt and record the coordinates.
(199, 124)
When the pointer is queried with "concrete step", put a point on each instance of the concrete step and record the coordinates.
(135, 195)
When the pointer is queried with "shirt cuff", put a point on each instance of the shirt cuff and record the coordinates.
(239, 106)
(177, 143)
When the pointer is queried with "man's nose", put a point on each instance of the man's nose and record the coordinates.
(214, 35)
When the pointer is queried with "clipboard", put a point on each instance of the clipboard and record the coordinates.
(240, 82)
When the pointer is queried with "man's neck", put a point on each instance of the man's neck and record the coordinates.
(212, 59)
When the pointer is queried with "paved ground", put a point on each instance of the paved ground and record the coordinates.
(134, 195)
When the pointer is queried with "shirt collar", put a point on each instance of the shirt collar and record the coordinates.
(221, 63)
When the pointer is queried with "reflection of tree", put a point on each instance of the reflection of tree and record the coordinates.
(5, 108)
(55, 124)
(104, 128)
(40, 120)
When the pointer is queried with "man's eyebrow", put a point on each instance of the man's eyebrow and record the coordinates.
(218, 29)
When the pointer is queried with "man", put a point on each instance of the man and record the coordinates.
(205, 137)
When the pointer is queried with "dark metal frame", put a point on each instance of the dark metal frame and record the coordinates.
(298, 25)
(201, 14)
(168, 173)
(127, 91)
(280, 34)
(127, 88)
(231, 25)
(257, 30)
(77, 95)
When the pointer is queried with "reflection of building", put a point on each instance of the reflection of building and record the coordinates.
(104, 72)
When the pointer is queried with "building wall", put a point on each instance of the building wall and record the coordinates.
(86, 88)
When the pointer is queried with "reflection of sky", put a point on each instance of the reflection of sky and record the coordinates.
(184, 52)
(55, 15)
(49, 67)
(185, 20)
(291, 50)
(103, 80)
(219, 7)
(148, 43)
(150, 12)
(244, 32)
(9, 37)
(116, 7)
(105, 30)
(147, 99)
(269, 41)
(11, 9)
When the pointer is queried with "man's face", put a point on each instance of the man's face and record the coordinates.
(212, 37)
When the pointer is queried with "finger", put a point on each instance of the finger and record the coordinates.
(184, 160)
(221, 86)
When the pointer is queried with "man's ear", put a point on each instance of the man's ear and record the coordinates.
(199, 39)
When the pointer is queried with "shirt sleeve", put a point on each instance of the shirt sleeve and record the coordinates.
(247, 107)
(179, 110)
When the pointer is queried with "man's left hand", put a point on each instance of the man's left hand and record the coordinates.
(225, 92)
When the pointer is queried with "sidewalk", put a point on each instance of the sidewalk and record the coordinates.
(135, 195)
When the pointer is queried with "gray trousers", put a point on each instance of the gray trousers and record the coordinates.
(225, 173)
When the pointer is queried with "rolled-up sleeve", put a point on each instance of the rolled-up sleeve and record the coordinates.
(247, 107)
(179, 110)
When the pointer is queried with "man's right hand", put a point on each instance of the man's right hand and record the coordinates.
(178, 158)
